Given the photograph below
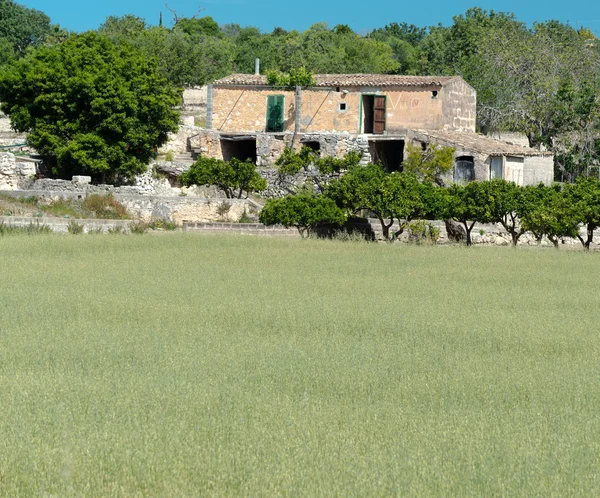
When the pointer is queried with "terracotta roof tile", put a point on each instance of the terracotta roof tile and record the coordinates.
(478, 143)
(328, 80)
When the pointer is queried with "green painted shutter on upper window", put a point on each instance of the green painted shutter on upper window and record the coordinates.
(275, 121)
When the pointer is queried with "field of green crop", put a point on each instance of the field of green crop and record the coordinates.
(182, 365)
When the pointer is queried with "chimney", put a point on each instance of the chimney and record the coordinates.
(257, 66)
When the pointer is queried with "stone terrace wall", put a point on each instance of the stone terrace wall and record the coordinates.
(175, 209)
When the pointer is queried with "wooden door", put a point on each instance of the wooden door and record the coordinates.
(379, 114)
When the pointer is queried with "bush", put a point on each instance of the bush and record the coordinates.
(305, 212)
(104, 207)
(232, 177)
(74, 228)
(138, 227)
(423, 232)
(31, 229)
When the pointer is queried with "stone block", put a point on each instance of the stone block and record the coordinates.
(82, 179)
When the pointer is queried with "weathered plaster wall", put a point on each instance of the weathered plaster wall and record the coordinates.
(413, 108)
(514, 170)
(245, 109)
(459, 112)
(538, 169)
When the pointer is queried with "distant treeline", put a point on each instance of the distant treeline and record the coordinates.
(543, 80)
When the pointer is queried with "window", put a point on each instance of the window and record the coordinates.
(342, 107)
(275, 113)
(464, 171)
(495, 168)
(434, 94)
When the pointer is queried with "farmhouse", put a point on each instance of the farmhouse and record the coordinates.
(374, 114)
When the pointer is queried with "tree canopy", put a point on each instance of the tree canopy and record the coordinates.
(90, 107)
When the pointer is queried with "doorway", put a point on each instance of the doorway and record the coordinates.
(240, 148)
(373, 114)
(389, 153)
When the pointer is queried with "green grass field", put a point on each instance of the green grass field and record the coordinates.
(182, 365)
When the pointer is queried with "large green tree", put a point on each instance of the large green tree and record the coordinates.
(90, 107)
(21, 27)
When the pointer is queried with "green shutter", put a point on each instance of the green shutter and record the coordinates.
(275, 121)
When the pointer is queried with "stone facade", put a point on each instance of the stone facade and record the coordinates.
(241, 110)
(15, 173)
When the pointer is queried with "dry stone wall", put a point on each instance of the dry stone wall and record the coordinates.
(15, 173)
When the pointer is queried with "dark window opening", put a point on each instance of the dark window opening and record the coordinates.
(312, 144)
(423, 146)
(337, 89)
(434, 94)
(240, 149)
(343, 107)
(464, 170)
(389, 153)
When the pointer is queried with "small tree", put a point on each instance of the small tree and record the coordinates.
(552, 215)
(507, 203)
(395, 196)
(362, 188)
(584, 194)
(305, 212)
(429, 165)
(232, 177)
(468, 204)
(291, 163)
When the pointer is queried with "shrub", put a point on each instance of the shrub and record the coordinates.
(104, 207)
(245, 218)
(232, 177)
(116, 230)
(305, 212)
(74, 228)
(423, 232)
(31, 229)
(138, 227)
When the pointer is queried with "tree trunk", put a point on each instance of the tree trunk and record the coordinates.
(468, 230)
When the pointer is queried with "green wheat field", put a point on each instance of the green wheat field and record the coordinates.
(186, 365)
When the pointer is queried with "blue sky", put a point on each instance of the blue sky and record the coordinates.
(76, 15)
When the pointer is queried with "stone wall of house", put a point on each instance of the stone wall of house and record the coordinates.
(538, 169)
(459, 106)
(244, 109)
(415, 108)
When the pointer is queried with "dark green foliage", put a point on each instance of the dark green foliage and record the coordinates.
(506, 203)
(296, 77)
(233, 177)
(291, 162)
(305, 212)
(468, 204)
(20, 28)
(552, 214)
(90, 107)
(389, 197)
(584, 196)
